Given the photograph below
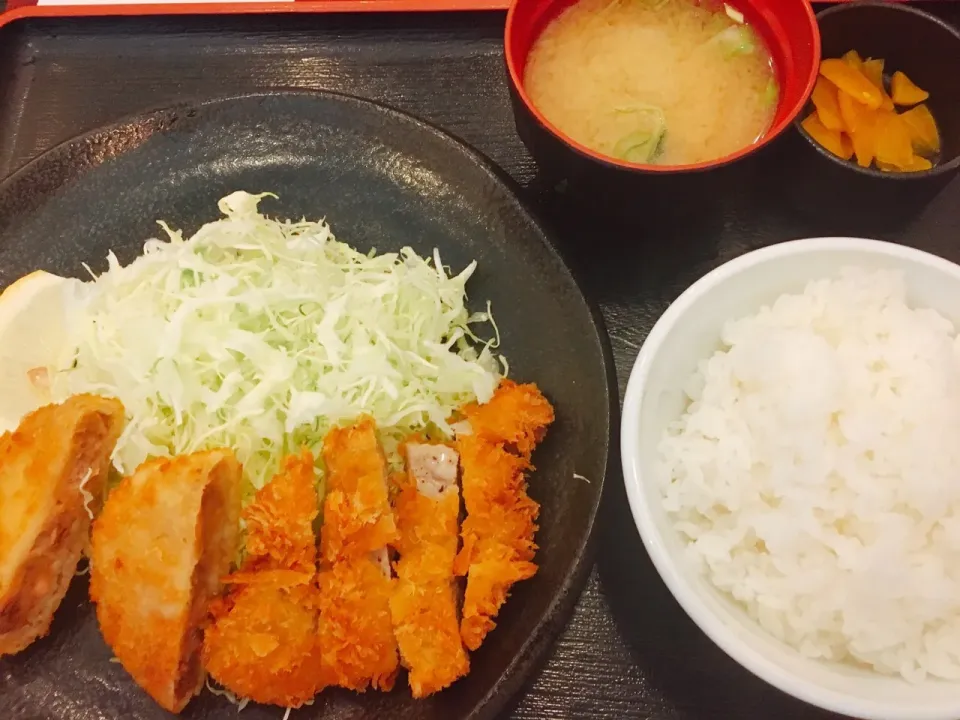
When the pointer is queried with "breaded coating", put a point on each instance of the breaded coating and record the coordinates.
(357, 519)
(490, 577)
(355, 635)
(280, 518)
(492, 476)
(517, 415)
(424, 604)
(53, 471)
(262, 642)
(167, 535)
(498, 532)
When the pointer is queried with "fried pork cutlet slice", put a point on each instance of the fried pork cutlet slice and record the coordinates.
(357, 518)
(280, 519)
(498, 532)
(166, 536)
(423, 605)
(517, 416)
(53, 470)
(262, 642)
(355, 634)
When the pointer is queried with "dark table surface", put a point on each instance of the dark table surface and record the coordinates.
(629, 651)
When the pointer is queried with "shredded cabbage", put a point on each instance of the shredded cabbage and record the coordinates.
(86, 494)
(239, 702)
(260, 335)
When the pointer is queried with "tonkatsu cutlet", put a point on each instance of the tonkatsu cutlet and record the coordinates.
(262, 642)
(498, 532)
(357, 518)
(355, 632)
(423, 605)
(356, 640)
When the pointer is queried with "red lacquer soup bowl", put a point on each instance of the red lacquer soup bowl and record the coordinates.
(787, 27)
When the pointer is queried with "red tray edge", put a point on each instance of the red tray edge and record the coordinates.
(19, 9)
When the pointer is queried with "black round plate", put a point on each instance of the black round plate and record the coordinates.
(384, 180)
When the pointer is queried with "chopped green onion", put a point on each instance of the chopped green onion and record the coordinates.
(735, 40)
(641, 107)
(646, 142)
(640, 146)
(770, 93)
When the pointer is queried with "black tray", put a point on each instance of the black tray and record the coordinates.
(629, 650)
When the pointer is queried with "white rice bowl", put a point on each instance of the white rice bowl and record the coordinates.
(805, 507)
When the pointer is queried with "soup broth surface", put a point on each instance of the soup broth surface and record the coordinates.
(669, 82)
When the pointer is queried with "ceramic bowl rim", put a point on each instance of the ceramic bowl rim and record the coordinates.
(516, 84)
(680, 582)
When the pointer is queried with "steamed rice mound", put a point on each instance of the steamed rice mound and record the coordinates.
(816, 474)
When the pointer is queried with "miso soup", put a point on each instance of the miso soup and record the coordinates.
(671, 82)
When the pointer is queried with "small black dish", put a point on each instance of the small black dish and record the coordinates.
(925, 48)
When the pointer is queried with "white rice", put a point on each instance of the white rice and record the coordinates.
(816, 474)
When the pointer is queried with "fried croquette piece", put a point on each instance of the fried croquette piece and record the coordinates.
(498, 532)
(516, 415)
(280, 518)
(262, 643)
(423, 605)
(357, 519)
(355, 633)
(53, 470)
(166, 537)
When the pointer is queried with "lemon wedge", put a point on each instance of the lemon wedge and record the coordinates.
(33, 338)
